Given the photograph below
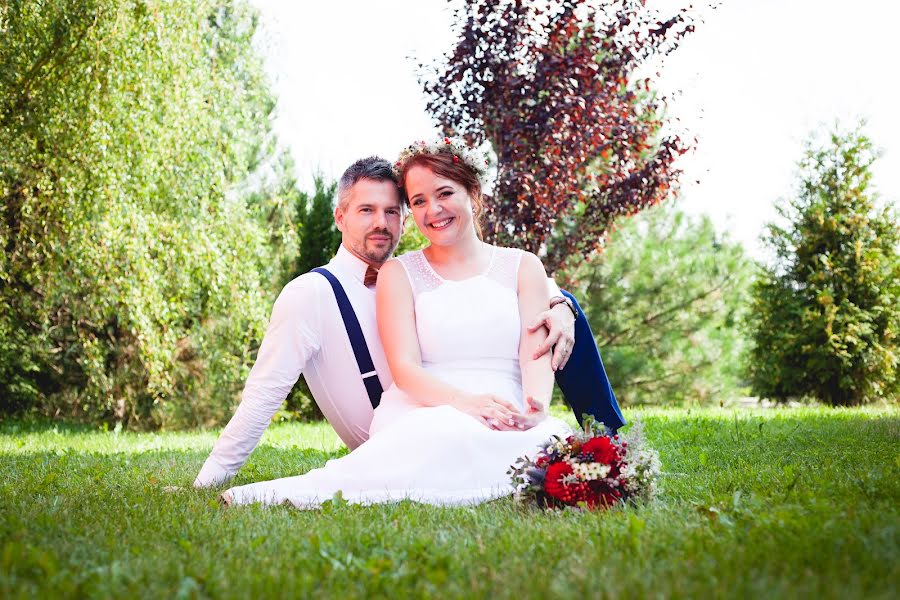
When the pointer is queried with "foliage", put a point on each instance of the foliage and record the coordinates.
(555, 89)
(319, 237)
(139, 258)
(776, 503)
(411, 239)
(826, 312)
(665, 301)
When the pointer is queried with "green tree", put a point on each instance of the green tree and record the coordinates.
(665, 300)
(140, 259)
(825, 313)
(319, 237)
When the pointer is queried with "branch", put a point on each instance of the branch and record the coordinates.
(49, 55)
(646, 382)
(652, 318)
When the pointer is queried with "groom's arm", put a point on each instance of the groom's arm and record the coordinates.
(291, 339)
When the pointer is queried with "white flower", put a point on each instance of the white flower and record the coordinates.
(590, 471)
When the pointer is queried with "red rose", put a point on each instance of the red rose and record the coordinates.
(553, 484)
(602, 449)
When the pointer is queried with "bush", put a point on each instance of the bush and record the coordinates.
(139, 264)
(665, 300)
(825, 314)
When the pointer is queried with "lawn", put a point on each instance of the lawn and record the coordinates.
(755, 503)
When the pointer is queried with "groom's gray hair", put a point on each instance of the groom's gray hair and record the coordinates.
(374, 168)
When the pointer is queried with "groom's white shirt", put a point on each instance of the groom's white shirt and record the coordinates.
(306, 334)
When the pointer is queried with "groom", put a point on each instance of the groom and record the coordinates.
(318, 313)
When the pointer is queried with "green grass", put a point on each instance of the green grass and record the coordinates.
(765, 503)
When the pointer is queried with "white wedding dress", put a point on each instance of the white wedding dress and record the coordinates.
(469, 337)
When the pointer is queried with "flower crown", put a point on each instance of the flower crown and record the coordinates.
(460, 151)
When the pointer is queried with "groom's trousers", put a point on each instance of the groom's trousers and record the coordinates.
(583, 381)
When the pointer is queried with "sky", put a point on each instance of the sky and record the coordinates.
(755, 80)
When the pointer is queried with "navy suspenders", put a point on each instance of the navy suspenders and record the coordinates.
(357, 341)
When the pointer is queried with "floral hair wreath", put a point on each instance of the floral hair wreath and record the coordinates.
(460, 151)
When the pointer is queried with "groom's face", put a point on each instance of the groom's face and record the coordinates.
(370, 220)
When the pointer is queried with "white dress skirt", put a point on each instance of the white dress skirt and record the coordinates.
(469, 337)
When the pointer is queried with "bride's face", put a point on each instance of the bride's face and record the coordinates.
(441, 208)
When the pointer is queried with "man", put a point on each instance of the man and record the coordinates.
(308, 331)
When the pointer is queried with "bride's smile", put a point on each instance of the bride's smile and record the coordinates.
(441, 224)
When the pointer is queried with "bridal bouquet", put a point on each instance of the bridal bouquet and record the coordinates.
(588, 468)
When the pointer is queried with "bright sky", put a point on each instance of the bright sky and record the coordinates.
(755, 79)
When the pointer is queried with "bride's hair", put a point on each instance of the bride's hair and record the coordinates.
(443, 165)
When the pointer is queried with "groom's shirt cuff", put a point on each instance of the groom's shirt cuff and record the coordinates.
(212, 474)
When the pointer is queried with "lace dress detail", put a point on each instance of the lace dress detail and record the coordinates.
(421, 276)
(468, 333)
(503, 268)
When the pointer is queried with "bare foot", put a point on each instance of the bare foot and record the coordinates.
(225, 498)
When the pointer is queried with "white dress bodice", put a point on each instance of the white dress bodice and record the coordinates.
(468, 331)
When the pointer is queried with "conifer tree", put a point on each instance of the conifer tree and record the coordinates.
(825, 314)
(319, 237)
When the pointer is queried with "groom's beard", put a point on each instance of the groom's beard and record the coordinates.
(381, 252)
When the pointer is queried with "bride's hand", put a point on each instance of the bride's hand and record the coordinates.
(493, 411)
(537, 412)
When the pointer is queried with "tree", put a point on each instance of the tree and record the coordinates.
(139, 257)
(319, 237)
(554, 89)
(665, 301)
(825, 313)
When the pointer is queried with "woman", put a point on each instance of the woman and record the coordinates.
(451, 318)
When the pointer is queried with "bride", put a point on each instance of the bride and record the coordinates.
(452, 318)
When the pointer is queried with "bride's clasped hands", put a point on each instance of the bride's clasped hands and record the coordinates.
(499, 414)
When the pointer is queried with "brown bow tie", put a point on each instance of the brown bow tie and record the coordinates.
(371, 277)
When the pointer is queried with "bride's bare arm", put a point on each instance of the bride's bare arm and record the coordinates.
(537, 373)
(396, 318)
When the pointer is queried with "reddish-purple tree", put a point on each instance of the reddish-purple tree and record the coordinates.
(553, 87)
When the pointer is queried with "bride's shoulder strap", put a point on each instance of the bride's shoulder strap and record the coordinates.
(421, 277)
(505, 266)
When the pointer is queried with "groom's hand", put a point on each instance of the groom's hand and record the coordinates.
(560, 324)
(211, 475)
